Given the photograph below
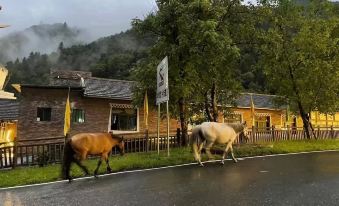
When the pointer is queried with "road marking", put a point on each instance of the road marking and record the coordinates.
(165, 167)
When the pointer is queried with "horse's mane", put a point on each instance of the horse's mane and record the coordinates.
(238, 127)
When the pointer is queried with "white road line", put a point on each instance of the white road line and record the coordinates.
(159, 168)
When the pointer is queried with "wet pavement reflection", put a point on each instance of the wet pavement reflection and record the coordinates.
(304, 179)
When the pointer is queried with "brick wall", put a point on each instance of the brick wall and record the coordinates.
(97, 114)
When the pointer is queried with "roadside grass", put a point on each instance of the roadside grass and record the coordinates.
(32, 175)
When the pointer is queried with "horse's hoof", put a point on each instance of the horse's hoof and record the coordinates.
(235, 161)
(200, 164)
(70, 180)
(109, 170)
(222, 162)
(95, 174)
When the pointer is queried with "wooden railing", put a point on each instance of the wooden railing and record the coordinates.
(38, 152)
(48, 153)
(270, 134)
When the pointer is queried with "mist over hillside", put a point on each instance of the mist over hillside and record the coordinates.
(110, 57)
(43, 38)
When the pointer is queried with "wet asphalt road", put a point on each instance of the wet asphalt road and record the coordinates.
(307, 179)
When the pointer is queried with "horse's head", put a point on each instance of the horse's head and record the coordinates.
(120, 144)
(245, 131)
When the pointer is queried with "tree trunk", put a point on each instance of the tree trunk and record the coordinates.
(207, 110)
(183, 122)
(214, 102)
(303, 114)
(306, 122)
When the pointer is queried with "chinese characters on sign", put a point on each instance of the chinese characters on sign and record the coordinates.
(162, 82)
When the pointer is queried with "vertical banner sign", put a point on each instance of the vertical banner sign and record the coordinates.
(163, 95)
(162, 81)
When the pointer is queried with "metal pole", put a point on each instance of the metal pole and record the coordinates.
(158, 125)
(167, 129)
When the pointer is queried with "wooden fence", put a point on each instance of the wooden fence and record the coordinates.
(38, 152)
(270, 134)
(49, 153)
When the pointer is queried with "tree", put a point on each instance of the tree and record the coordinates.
(300, 57)
(201, 39)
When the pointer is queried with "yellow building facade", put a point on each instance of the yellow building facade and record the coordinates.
(267, 114)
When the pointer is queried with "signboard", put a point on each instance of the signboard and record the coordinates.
(162, 82)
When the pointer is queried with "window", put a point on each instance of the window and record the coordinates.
(78, 115)
(263, 122)
(233, 118)
(44, 114)
(124, 119)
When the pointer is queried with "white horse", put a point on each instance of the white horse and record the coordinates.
(209, 133)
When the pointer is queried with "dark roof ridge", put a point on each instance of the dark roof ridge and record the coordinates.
(261, 94)
(116, 80)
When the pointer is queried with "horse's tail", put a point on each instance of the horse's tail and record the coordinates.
(67, 160)
(196, 142)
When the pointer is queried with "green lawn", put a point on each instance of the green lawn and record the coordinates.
(30, 175)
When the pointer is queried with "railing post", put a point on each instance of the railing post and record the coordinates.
(253, 134)
(1, 162)
(332, 132)
(15, 153)
(147, 140)
(273, 135)
(318, 132)
(288, 132)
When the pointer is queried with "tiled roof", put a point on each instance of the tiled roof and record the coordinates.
(262, 101)
(108, 88)
(67, 77)
(9, 109)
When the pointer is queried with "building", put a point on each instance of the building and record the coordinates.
(9, 111)
(266, 113)
(97, 104)
(324, 120)
(103, 105)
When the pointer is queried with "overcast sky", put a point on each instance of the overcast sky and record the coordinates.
(102, 17)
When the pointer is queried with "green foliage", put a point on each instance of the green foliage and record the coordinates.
(43, 158)
(109, 57)
(201, 39)
(300, 55)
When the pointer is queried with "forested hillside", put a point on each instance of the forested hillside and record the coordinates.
(110, 57)
(43, 38)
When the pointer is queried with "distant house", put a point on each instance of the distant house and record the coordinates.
(266, 113)
(98, 105)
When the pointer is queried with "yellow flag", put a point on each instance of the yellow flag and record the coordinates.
(252, 111)
(67, 124)
(146, 110)
(288, 114)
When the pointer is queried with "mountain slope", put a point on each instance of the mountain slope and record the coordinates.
(43, 38)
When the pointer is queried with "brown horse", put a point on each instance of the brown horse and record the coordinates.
(80, 145)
